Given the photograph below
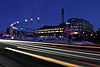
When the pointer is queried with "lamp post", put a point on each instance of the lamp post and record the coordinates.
(26, 29)
(69, 33)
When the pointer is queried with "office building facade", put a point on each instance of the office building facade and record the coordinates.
(50, 32)
(80, 25)
(77, 27)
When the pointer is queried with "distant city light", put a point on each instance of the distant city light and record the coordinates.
(91, 34)
(22, 28)
(75, 32)
(67, 23)
(12, 37)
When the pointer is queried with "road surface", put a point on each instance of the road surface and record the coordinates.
(6, 62)
(54, 53)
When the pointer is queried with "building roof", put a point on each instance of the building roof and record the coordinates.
(61, 25)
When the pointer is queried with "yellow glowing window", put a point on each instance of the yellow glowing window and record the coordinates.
(75, 33)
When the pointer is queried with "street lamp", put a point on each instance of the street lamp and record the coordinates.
(69, 32)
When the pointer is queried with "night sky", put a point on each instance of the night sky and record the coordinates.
(48, 11)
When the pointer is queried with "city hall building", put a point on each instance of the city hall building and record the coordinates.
(51, 31)
(80, 25)
(79, 28)
(74, 26)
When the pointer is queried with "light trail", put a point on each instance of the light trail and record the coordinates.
(1, 40)
(67, 50)
(79, 50)
(26, 20)
(50, 48)
(94, 65)
(51, 52)
(61, 53)
(58, 49)
(40, 46)
(44, 58)
(13, 25)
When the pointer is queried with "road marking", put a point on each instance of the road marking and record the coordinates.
(44, 58)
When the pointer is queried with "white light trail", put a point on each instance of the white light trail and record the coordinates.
(44, 58)
(57, 52)
(64, 50)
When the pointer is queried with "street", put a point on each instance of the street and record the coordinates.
(51, 52)
(6, 62)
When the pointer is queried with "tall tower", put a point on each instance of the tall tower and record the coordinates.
(62, 15)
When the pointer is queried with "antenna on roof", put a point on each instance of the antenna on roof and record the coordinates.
(62, 15)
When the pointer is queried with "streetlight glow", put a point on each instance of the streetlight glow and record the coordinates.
(17, 21)
(21, 28)
(31, 19)
(38, 18)
(67, 23)
(26, 20)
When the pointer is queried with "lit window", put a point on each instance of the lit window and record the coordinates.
(41, 32)
(60, 28)
(56, 31)
(91, 34)
(52, 31)
(61, 31)
(60, 36)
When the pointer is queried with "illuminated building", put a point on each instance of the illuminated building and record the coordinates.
(79, 28)
(80, 25)
(50, 32)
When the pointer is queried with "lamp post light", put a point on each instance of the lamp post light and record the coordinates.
(17, 22)
(38, 18)
(31, 19)
(26, 20)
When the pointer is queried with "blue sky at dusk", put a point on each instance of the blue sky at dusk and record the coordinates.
(48, 11)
